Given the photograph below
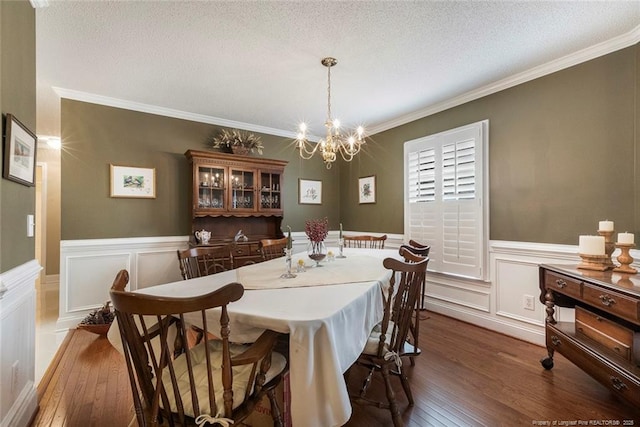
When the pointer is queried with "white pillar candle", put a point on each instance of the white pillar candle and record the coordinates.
(591, 245)
(605, 226)
(626, 238)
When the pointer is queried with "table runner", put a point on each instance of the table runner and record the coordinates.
(358, 268)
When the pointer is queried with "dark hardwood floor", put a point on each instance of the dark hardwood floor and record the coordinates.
(466, 376)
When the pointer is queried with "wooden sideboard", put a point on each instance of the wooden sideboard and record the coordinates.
(604, 339)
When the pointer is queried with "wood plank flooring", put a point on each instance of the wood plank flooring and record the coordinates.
(466, 376)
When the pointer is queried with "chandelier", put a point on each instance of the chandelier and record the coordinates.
(347, 144)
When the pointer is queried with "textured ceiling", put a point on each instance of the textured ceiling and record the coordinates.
(258, 62)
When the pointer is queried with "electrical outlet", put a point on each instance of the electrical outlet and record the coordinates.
(529, 302)
(15, 371)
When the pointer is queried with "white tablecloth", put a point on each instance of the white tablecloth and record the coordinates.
(327, 325)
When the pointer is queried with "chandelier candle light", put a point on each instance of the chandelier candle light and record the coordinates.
(348, 145)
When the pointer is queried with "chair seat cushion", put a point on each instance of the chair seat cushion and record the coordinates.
(371, 347)
(241, 375)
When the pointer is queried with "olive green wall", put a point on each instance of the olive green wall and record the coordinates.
(563, 154)
(17, 97)
(95, 136)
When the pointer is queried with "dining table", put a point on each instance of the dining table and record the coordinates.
(327, 311)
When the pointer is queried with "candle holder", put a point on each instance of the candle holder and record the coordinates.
(625, 259)
(609, 246)
(288, 274)
(340, 248)
(594, 262)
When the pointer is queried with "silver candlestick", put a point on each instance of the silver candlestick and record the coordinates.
(288, 274)
(340, 248)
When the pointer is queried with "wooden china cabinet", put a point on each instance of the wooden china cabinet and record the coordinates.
(231, 193)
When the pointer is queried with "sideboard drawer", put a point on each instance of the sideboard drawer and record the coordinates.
(246, 250)
(612, 302)
(617, 379)
(562, 284)
(611, 335)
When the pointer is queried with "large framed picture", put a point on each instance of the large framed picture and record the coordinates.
(127, 181)
(19, 153)
(367, 189)
(309, 192)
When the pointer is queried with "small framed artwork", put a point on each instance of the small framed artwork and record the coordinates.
(367, 189)
(309, 192)
(19, 153)
(129, 181)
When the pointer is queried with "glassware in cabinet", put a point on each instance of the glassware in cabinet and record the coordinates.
(211, 188)
(242, 189)
(270, 190)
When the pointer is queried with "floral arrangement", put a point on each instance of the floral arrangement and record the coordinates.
(237, 139)
(317, 229)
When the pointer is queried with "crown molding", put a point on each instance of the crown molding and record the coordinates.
(584, 55)
(168, 112)
(36, 4)
(587, 54)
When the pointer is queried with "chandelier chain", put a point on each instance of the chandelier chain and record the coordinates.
(329, 94)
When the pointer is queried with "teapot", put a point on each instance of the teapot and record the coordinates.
(203, 236)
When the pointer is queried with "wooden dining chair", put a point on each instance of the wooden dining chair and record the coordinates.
(365, 241)
(205, 260)
(387, 343)
(272, 248)
(413, 254)
(420, 246)
(174, 384)
(121, 280)
(422, 250)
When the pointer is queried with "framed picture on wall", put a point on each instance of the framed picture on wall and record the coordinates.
(19, 153)
(127, 181)
(309, 192)
(367, 189)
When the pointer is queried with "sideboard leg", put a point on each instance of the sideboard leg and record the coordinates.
(547, 362)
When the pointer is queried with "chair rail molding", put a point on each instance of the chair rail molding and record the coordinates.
(87, 268)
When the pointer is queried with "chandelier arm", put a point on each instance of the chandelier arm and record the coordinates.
(347, 156)
(303, 147)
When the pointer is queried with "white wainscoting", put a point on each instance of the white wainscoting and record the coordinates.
(18, 399)
(88, 267)
(499, 304)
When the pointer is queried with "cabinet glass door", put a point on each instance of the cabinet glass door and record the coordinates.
(270, 190)
(211, 187)
(243, 184)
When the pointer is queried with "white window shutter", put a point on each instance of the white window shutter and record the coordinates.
(444, 199)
